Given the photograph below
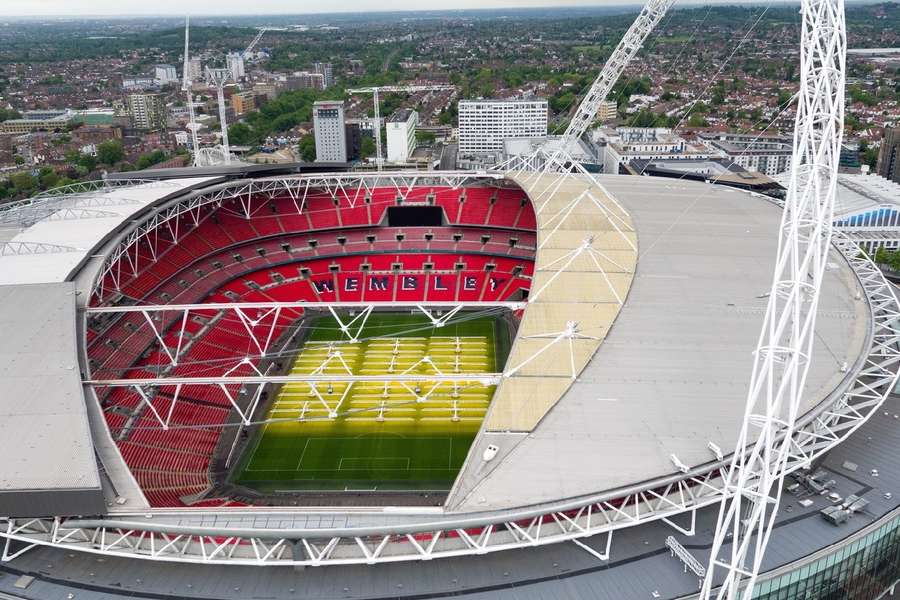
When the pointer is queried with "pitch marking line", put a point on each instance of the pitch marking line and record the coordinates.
(404, 461)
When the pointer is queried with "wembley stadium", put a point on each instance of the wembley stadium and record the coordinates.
(268, 382)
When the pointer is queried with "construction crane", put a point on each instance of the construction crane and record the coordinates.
(782, 359)
(628, 46)
(186, 85)
(556, 154)
(252, 45)
(390, 89)
(218, 78)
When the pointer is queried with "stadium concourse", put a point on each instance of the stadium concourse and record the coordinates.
(527, 378)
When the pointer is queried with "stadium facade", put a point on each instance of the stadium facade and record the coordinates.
(156, 330)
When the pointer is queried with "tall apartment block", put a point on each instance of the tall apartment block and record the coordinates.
(485, 124)
(148, 111)
(328, 123)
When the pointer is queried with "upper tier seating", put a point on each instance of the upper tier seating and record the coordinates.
(336, 249)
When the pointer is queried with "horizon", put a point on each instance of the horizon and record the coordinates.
(109, 9)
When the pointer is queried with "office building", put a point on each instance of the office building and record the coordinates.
(328, 123)
(401, 135)
(147, 111)
(888, 165)
(38, 120)
(485, 124)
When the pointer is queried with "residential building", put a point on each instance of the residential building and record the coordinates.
(485, 124)
(243, 102)
(888, 165)
(268, 90)
(195, 69)
(328, 124)
(609, 110)
(626, 144)
(140, 83)
(147, 111)
(401, 135)
(235, 62)
(165, 74)
(324, 69)
(770, 155)
(305, 80)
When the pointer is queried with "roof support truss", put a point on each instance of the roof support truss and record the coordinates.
(875, 377)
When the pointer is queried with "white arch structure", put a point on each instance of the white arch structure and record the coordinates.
(783, 354)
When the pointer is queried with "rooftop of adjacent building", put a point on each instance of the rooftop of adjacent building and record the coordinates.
(401, 116)
(715, 170)
(328, 104)
(503, 100)
(857, 193)
(632, 139)
(737, 143)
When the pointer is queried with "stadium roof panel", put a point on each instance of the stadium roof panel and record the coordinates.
(48, 464)
(672, 373)
(39, 242)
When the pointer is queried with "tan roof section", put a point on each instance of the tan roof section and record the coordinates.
(583, 270)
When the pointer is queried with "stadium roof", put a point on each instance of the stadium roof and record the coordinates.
(39, 242)
(47, 464)
(671, 376)
(859, 193)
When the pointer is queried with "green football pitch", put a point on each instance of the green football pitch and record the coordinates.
(377, 435)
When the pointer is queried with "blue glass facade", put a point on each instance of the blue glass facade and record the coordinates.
(860, 570)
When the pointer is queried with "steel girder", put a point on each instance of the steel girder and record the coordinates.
(128, 258)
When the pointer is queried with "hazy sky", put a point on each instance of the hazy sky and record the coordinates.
(233, 7)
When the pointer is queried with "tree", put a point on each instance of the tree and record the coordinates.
(8, 113)
(366, 147)
(48, 178)
(697, 120)
(424, 137)
(241, 134)
(308, 148)
(110, 152)
(23, 183)
(88, 162)
(148, 160)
